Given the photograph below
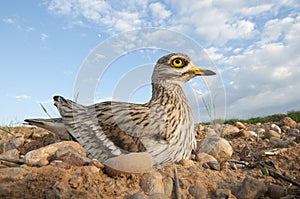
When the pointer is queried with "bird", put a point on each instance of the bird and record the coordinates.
(163, 126)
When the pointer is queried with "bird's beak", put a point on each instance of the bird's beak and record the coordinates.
(201, 71)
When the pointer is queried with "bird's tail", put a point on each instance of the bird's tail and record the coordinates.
(54, 125)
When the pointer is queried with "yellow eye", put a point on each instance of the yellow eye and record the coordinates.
(178, 62)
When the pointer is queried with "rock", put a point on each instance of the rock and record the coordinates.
(240, 125)
(204, 157)
(138, 196)
(19, 141)
(187, 163)
(224, 194)
(198, 192)
(289, 122)
(168, 186)
(276, 191)
(40, 157)
(250, 188)
(229, 130)
(277, 142)
(276, 128)
(152, 183)
(39, 133)
(157, 196)
(271, 133)
(132, 163)
(214, 165)
(217, 147)
(6, 146)
(293, 132)
(211, 132)
(70, 156)
(11, 154)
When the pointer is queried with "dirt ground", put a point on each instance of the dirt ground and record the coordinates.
(252, 157)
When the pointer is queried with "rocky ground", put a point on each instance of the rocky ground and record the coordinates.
(232, 161)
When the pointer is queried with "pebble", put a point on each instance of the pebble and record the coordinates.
(132, 163)
(276, 128)
(157, 196)
(276, 191)
(40, 157)
(240, 125)
(217, 147)
(214, 165)
(187, 163)
(204, 157)
(152, 182)
(224, 194)
(229, 130)
(11, 154)
(272, 133)
(168, 185)
(251, 188)
(6, 146)
(19, 141)
(138, 195)
(277, 142)
(198, 192)
(289, 122)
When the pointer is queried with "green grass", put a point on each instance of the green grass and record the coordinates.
(295, 115)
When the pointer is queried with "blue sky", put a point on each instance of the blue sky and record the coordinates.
(253, 45)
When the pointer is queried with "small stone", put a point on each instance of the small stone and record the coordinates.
(132, 163)
(243, 133)
(157, 196)
(19, 141)
(198, 192)
(277, 142)
(229, 130)
(289, 122)
(204, 157)
(293, 132)
(272, 133)
(276, 128)
(211, 132)
(70, 156)
(251, 188)
(75, 181)
(217, 147)
(214, 165)
(224, 194)
(276, 191)
(168, 185)
(152, 183)
(40, 157)
(11, 154)
(187, 163)
(6, 146)
(240, 125)
(138, 196)
(39, 134)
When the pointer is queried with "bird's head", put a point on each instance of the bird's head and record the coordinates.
(177, 68)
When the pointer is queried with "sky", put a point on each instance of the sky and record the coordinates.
(95, 50)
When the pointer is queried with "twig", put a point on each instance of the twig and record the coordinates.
(177, 193)
(16, 161)
(278, 175)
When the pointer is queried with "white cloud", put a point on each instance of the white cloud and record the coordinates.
(8, 20)
(22, 97)
(44, 37)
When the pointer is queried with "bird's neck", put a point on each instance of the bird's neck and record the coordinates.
(171, 91)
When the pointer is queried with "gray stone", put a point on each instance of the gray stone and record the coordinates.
(240, 125)
(132, 163)
(204, 157)
(138, 196)
(19, 141)
(251, 188)
(157, 196)
(276, 191)
(11, 154)
(276, 128)
(41, 156)
(152, 183)
(198, 192)
(217, 147)
(168, 185)
(277, 142)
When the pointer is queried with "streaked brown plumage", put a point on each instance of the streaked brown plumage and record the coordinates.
(164, 127)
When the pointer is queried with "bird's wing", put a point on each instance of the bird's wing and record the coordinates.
(109, 129)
